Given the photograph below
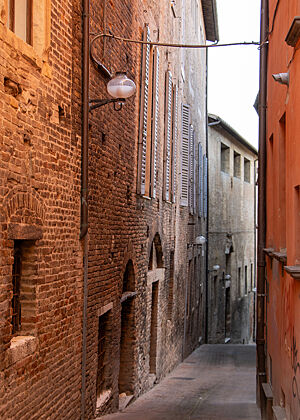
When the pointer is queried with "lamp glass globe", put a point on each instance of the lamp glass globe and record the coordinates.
(121, 86)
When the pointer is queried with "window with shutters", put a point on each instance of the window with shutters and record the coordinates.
(168, 137)
(192, 169)
(149, 114)
(205, 182)
(185, 155)
(174, 142)
(200, 180)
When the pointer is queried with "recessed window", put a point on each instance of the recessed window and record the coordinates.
(237, 165)
(246, 170)
(24, 275)
(225, 158)
(20, 19)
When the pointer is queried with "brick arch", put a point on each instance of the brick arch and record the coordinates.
(21, 199)
(129, 255)
(157, 243)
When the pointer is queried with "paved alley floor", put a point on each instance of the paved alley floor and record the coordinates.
(214, 382)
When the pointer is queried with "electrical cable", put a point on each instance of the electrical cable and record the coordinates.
(170, 45)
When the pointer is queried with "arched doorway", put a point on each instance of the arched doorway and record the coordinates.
(127, 338)
(155, 276)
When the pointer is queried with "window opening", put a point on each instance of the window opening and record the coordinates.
(246, 279)
(20, 19)
(246, 170)
(154, 327)
(171, 285)
(237, 165)
(102, 373)
(225, 156)
(16, 280)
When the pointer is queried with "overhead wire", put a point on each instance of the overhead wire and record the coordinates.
(171, 45)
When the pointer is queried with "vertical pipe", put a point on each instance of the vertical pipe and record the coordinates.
(207, 214)
(84, 189)
(260, 333)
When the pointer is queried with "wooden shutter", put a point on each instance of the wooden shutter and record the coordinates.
(191, 169)
(185, 136)
(200, 180)
(168, 132)
(205, 185)
(174, 141)
(155, 125)
(144, 113)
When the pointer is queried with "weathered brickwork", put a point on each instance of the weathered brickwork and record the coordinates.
(146, 288)
(126, 227)
(39, 209)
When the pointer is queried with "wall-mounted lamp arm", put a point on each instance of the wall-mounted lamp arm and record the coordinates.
(97, 103)
(99, 66)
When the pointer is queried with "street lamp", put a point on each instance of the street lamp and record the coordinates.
(119, 87)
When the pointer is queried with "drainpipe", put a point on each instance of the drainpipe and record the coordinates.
(207, 214)
(260, 333)
(84, 188)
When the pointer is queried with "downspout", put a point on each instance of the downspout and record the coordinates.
(84, 189)
(260, 333)
(207, 214)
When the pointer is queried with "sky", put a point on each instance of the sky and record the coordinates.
(233, 72)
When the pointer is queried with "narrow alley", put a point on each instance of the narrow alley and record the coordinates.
(214, 382)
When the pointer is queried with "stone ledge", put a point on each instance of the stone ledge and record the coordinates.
(279, 412)
(293, 271)
(268, 251)
(127, 295)
(103, 398)
(280, 256)
(21, 347)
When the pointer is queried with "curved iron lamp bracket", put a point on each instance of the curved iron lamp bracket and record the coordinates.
(99, 66)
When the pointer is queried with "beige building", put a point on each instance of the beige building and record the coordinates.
(231, 234)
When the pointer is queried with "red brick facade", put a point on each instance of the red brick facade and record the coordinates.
(145, 272)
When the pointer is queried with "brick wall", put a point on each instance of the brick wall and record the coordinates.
(40, 147)
(125, 226)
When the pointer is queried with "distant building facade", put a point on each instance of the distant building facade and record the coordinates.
(90, 323)
(231, 234)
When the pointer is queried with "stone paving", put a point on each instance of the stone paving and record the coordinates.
(214, 382)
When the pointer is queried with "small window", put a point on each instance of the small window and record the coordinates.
(225, 158)
(16, 280)
(246, 170)
(103, 362)
(246, 279)
(24, 277)
(237, 165)
(20, 19)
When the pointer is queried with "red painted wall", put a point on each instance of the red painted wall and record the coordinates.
(282, 206)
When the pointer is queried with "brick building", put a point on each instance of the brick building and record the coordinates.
(231, 234)
(88, 318)
(145, 301)
(40, 251)
(279, 180)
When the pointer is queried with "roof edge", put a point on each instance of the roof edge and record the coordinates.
(216, 120)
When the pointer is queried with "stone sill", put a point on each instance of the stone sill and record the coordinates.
(279, 413)
(103, 398)
(127, 295)
(20, 347)
(293, 271)
(280, 256)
